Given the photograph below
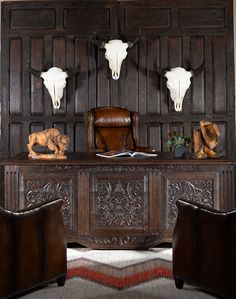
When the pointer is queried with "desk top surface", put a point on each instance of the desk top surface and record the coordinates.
(86, 158)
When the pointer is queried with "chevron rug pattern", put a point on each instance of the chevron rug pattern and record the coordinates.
(119, 269)
(118, 274)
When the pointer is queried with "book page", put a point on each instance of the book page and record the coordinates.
(114, 153)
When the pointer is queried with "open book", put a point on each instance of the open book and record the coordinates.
(114, 153)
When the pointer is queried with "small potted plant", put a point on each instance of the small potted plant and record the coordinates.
(179, 143)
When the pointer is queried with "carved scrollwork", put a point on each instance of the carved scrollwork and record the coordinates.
(113, 168)
(59, 167)
(41, 190)
(124, 240)
(195, 191)
(119, 203)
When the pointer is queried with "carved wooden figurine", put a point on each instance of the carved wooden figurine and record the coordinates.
(206, 139)
(51, 138)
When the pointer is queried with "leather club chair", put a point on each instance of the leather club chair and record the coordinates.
(204, 246)
(32, 247)
(113, 128)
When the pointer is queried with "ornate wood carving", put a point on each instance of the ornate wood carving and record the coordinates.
(121, 241)
(117, 168)
(106, 207)
(43, 190)
(119, 203)
(200, 191)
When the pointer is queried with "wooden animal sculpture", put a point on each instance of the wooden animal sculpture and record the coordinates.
(206, 139)
(51, 138)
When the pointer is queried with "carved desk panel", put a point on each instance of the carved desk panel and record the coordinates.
(121, 202)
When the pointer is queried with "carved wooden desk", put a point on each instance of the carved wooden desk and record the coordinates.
(120, 202)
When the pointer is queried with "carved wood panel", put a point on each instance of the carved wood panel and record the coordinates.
(172, 33)
(123, 203)
(202, 188)
(118, 203)
(43, 187)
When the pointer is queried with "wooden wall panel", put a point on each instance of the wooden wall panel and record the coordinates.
(79, 142)
(144, 69)
(70, 130)
(202, 17)
(164, 57)
(147, 18)
(208, 72)
(171, 34)
(219, 75)
(153, 80)
(16, 139)
(15, 90)
(131, 79)
(95, 18)
(36, 86)
(223, 140)
(37, 127)
(81, 96)
(32, 18)
(175, 51)
(198, 88)
(155, 135)
(103, 79)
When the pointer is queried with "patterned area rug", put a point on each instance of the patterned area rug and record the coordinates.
(118, 274)
(119, 269)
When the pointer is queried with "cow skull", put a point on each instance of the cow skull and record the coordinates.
(178, 81)
(54, 80)
(116, 52)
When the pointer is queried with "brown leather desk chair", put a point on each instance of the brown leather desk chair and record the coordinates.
(112, 128)
(204, 246)
(32, 248)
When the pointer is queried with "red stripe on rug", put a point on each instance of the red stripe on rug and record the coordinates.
(119, 282)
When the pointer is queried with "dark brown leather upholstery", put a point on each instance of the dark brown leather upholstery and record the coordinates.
(32, 247)
(204, 244)
(112, 128)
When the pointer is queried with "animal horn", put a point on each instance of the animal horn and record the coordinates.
(35, 72)
(99, 44)
(75, 72)
(133, 43)
(198, 70)
(161, 72)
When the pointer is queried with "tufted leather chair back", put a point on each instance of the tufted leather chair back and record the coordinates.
(111, 128)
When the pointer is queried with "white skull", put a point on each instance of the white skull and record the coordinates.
(178, 81)
(55, 81)
(115, 53)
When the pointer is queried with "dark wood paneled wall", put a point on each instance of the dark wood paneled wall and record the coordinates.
(172, 33)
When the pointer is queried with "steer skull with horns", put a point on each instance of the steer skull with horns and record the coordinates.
(116, 52)
(178, 81)
(55, 80)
